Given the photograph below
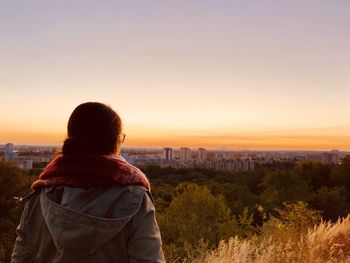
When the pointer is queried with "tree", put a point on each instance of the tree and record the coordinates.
(237, 196)
(195, 214)
(13, 182)
(316, 173)
(291, 221)
(341, 174)
(283, 186)
(332, 201)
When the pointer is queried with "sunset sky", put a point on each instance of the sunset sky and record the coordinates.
(241, 74)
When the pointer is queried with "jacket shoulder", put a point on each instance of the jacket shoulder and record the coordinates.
(127, 201)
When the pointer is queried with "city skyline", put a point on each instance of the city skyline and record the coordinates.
(220, 159)
(256, 75)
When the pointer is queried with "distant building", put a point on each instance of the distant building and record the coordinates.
(185, 153)
(202, 154)
(331, 157)
(8, 150)
(41, 159)
(168, 154)
(25, 164)
(317, 157)
(335, 156)
(251, 166)
(248, 165)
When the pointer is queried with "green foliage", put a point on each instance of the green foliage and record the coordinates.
(245, 224)
(284, 186)
(291, 221)
(307, 186)
(332, 201)
(13, 182)
(298, 216)
(195, 214)
(237, 195)
(316, 173)
(341, 174)
(318, 186)
(163, 196)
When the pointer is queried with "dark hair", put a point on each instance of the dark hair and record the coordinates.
(93, 127)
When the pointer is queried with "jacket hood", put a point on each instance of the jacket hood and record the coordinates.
(75, 232)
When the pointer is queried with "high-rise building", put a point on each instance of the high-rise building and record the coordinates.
(8, 150)
(335, 156)
(331, 157)
(185, 153)
(168, 154)
(245, 165)
(202, 154)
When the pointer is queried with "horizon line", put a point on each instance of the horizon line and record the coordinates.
(221, 147)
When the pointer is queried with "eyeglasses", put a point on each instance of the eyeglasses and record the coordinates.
(122, 137)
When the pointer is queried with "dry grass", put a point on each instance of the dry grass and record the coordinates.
(325, 243)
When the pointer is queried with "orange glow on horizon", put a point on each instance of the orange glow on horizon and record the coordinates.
(248, 142)
(241, 140)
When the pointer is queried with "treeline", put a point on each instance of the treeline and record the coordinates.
(201, 207)
(323, 186)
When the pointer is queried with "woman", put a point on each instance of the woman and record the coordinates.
(89, 204)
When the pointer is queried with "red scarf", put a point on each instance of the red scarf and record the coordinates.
(90, 171)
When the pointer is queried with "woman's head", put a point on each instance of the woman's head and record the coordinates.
(92, 128)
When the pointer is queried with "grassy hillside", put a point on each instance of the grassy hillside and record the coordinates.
(326, 242)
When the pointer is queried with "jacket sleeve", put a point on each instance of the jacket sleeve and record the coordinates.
(145, 244)
(21, 252)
